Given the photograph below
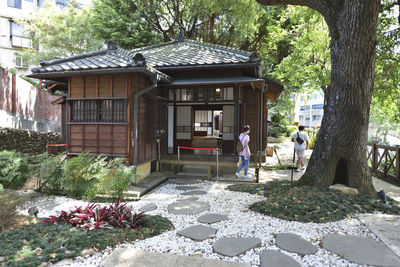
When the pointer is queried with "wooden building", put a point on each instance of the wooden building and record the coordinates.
(143, 103)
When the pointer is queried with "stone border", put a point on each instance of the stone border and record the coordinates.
(378, 233)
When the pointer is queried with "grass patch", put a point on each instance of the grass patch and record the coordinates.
(31, 245)
(309, 204)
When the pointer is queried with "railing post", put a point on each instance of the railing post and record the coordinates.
(177, 166)
(217, 164)
(374, 157)
(397, 174)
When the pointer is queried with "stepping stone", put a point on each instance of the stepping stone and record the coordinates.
(194, 192)
(212, 218)
(294, 243)
(361, 250)
(184, 188)
(188, 199)
(275, 258)
(198, 232)
(188, 207)
(129, 257)
(148, 207)
(233, 246)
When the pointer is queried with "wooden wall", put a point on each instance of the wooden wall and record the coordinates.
(111, 139)
(251, 111)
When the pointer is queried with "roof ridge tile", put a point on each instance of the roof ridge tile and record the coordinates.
(71, 58)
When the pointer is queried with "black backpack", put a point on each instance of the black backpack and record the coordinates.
(299, 140)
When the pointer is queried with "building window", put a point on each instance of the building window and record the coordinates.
(61, 4)
(29, 1)
(305, 108)
(40, 3)
(14, 3)
(318, 106)
(301, 117)
(20, 62)
(16, 29)
(307, 118)
(316, 117)
(99, 111)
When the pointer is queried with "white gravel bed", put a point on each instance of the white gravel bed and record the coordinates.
(241, 223)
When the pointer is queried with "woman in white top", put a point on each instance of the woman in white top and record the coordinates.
(244, 138)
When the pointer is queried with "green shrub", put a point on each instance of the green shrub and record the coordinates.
(312, 141)
(82, 174)
(1, 187)
(290, 130)
(117, 178)
(9, 200)
(51, 175)
(14, 169)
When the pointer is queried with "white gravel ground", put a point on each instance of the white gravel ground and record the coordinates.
(242, 223)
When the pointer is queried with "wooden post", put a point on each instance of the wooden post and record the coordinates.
(397, 174)
(374, 157)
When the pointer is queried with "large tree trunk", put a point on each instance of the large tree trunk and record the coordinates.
(344, 130)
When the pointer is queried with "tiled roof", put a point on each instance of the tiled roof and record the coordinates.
(189, 53)
(111, 59)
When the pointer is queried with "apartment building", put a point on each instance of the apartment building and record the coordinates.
(312, 110)
(12, 37)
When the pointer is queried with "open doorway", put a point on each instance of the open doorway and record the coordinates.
(207, 130)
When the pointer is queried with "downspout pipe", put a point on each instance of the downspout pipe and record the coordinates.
(265, 89)
(135, 118)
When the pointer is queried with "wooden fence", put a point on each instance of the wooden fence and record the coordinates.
(384, 160)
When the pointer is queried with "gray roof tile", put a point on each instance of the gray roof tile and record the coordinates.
(170, 54)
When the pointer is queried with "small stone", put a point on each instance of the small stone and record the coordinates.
(344, 189)
(212, 218)
(63, 262)
(88, 252)
(198, 232)
(44, 264)
(38, 251)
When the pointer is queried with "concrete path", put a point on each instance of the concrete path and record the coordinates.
(128, 257)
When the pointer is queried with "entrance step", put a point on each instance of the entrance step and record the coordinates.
(200, 169)
(191, 175)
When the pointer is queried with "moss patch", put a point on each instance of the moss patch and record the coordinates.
(310, 204)
(31, 245)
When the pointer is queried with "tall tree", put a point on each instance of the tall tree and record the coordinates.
(341, 143)
(136, 23)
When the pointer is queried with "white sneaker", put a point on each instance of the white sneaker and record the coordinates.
(297, 170)
(248, 176)
(237, 175)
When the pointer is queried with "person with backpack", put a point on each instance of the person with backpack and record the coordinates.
(244, 151)
(300, 140)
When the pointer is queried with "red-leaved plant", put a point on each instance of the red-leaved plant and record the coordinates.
(94, 217)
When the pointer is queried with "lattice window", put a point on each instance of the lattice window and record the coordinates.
(99, 111)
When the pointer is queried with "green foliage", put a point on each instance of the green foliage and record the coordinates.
(117, 178)
(310, 204)
(313, 139)
(14, 169)
(9, 200)
(60, 33)
(37, 243)
(1, 187)
(136, 23)
(82, 174)
(51, 175)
